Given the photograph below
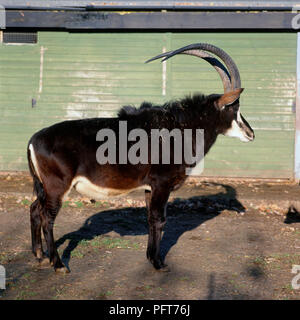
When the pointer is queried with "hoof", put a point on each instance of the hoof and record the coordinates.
(160, 266)
(163, 268)
(44, 261)
(62, 270)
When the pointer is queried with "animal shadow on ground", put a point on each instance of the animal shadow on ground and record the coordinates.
(182, 215)
(293, 215)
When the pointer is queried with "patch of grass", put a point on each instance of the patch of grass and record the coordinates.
(96, 242)
(233, 282)
(23, 294)
(109, 243)
(237, 285)
(183, 278)
(26, 202)
(259, 260)
(291, 258)
(79, 204)
(28, 277)
(102, 204)
(288, 287)
(97, 204)
(277, 266)
(100, 242)
(297, 232)
(3, 258)
(84, 243)
(103, 295)
(66, 204)
(58, 292)
(77, 254)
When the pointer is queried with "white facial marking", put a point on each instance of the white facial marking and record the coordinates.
(85, 187)
(235, 131)
(238, 117)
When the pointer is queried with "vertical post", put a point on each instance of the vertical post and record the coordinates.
(2, 18)
(168, 43)
(297, 132)
(2, 278)
(164, 74)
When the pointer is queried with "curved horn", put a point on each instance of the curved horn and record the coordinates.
(196, 49)
(222, 71)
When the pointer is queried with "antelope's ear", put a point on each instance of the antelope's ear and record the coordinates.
(228, 98)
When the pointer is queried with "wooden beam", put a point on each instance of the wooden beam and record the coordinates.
(94, 20)
(156, 4)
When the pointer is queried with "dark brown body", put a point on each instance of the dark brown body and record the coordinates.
(67, 150)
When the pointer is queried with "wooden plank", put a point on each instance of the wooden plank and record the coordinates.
(149, 20)
(166, 4)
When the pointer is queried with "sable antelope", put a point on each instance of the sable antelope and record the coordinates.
(63, 156)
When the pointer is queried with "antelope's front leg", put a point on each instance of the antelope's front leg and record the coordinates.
(156, 222)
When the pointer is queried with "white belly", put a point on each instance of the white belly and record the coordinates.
(88, 189)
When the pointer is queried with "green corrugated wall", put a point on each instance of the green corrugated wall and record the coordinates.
(76, 75)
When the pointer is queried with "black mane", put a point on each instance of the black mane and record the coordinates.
(180, 110)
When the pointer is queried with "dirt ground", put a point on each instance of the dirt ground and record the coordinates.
(224, 239)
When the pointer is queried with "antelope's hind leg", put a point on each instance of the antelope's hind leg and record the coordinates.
(36, 228)
(49, 213)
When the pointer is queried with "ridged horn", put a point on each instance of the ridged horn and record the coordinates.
(231, 78)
